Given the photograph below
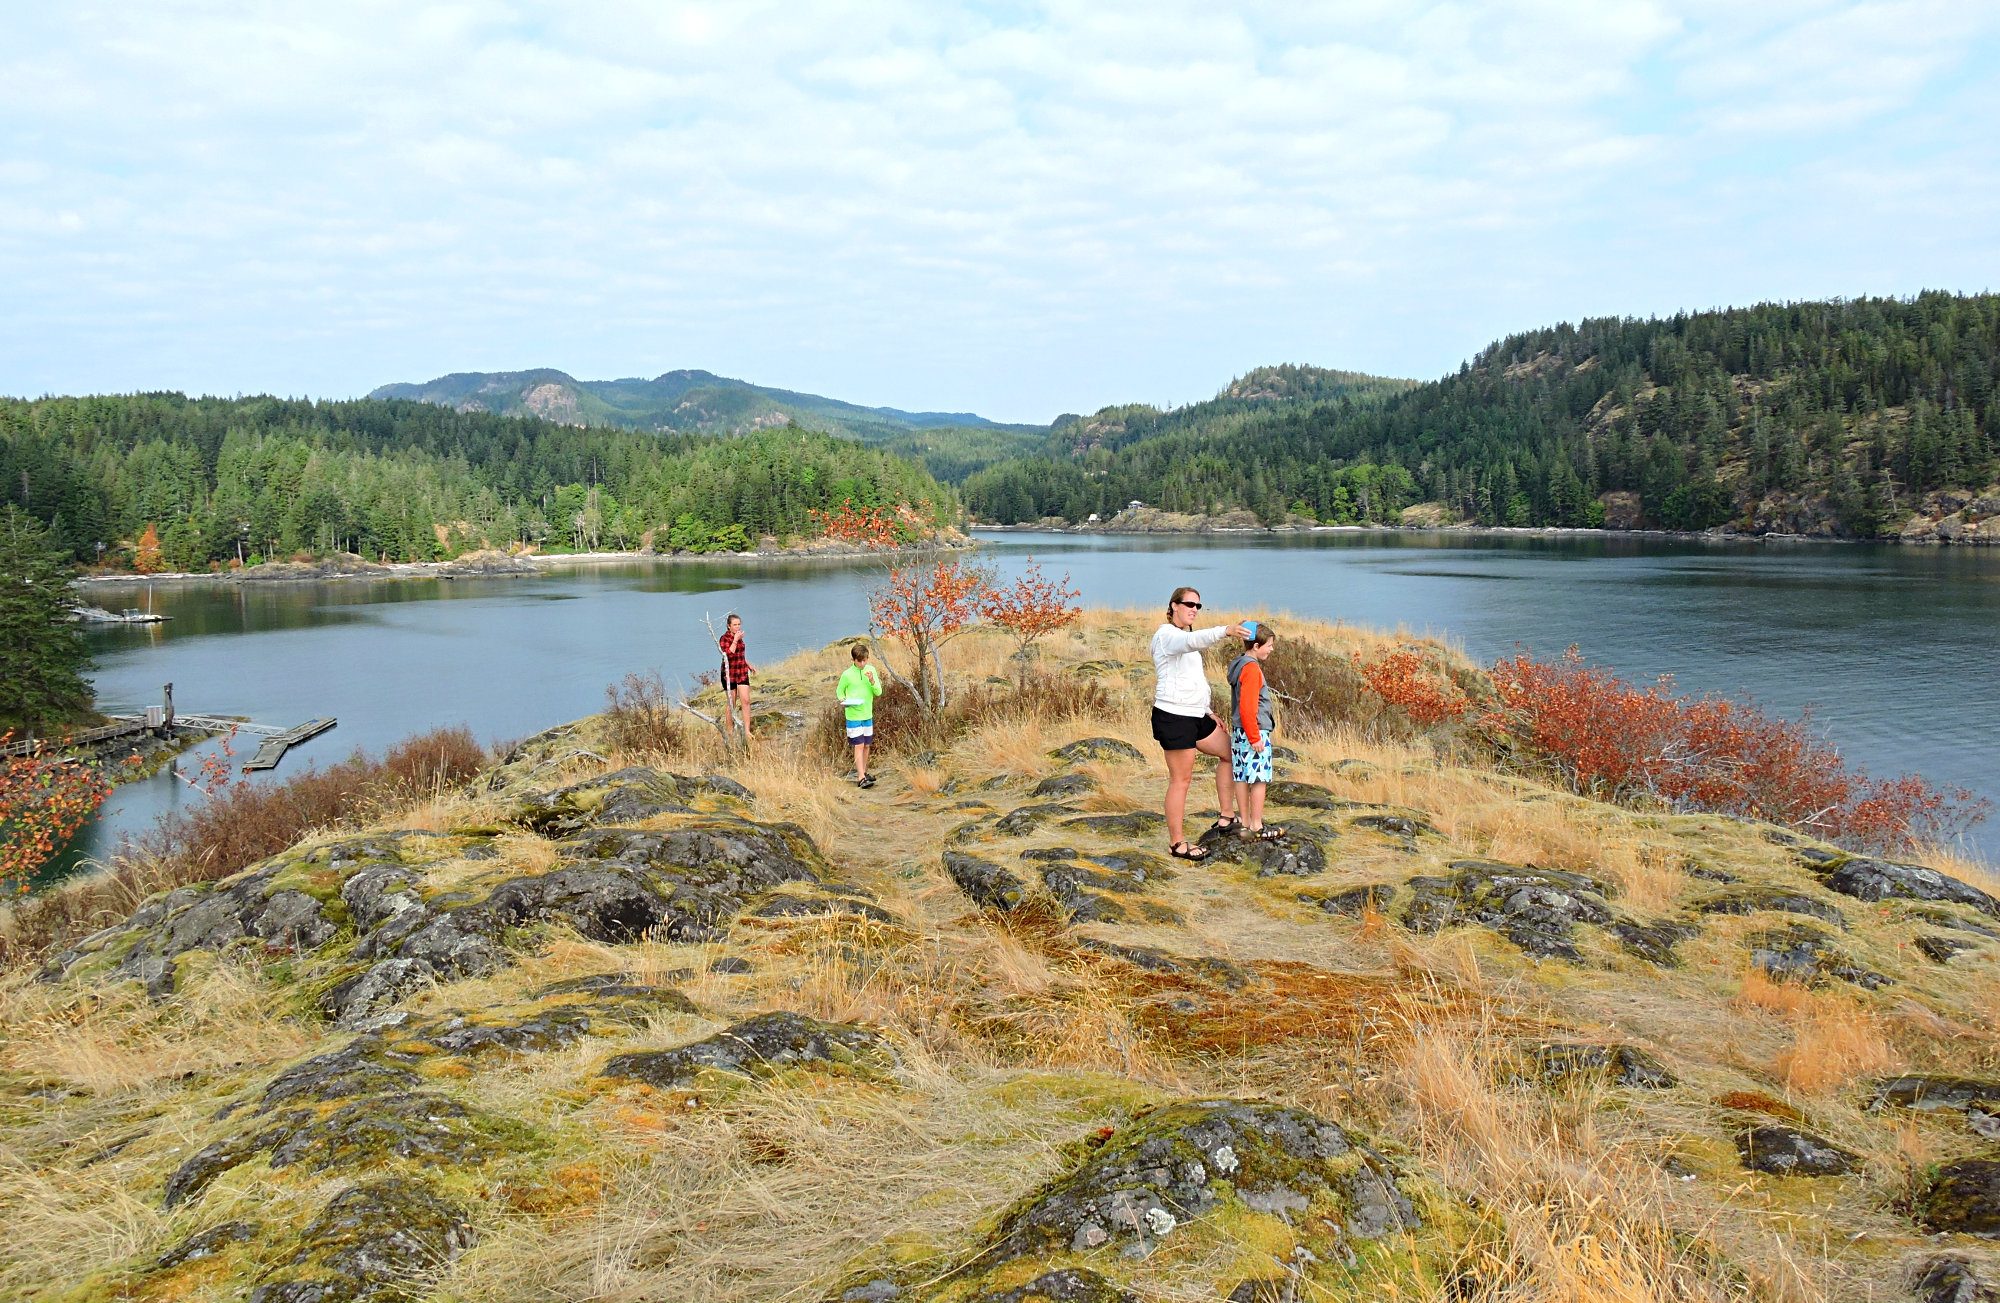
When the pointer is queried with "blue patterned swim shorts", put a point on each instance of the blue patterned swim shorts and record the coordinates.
(1248, 764)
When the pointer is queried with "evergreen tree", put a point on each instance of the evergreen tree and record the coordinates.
(42, 653)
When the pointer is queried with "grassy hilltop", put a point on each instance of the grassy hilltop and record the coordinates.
(630, 1017)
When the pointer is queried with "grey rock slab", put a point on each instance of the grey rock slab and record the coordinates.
(757, 1047)
(1787, 1151)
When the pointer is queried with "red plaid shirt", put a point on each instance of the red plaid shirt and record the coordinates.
(736, 663)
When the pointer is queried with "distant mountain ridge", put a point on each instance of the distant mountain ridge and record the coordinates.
(682, 401)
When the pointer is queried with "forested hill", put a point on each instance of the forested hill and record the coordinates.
(1820, 418)
(412, 481)
(678, 401)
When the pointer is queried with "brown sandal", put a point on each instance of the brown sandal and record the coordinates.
(1269, 833)
(1189, 851)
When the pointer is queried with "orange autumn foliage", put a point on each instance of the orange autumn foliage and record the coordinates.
(925, 606)
(1031, 608)
(44, 799)
(847, 523)
(1405, 679)
(1617, 740)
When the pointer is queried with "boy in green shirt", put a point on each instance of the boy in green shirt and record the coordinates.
(858, 687)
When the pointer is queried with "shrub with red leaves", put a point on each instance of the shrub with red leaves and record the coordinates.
(1618, 740)
(1406, 679)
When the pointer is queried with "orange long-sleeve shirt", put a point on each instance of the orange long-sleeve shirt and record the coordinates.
(1250, 689)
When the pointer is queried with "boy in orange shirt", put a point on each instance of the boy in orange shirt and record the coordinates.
(1250, 723)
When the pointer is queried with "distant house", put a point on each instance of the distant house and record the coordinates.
(1134, 505)
(1092, 520)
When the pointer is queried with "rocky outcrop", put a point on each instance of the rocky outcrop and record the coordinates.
(1962, 1199)
(1949, 1278)
(758, 1047)
(1788, 1151)
(1181, 1162)
(1803, 953)
(1538, 910)
(682, 882)
(1620, 1065)
(985, 883)
(1756, 900)
(382, 1242)
(1872, 879)
(1101, 749)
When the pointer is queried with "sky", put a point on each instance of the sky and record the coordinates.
(1018, 209)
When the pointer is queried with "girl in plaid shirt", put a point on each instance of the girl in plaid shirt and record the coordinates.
(736, 669)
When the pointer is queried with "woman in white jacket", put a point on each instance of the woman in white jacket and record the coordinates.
(1184, 717)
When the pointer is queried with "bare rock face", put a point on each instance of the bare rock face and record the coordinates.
(1182, 1161)
(758, 1047)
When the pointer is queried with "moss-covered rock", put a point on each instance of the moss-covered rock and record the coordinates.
(1063, 1285)
(1753, 900)
(758, 1047)
(1184, 1161)
(1062, 786)
(985, 883)
(383, 1242)
(1621, 1065)
(626, 796)
(1130, 823)
(1803, 953)
(1300, 853)
(1963, 1199)
(1537, 909)
(1097, 748)
(1872, 879)
(1025, 819)
(1787, 1151)
(360, 1133)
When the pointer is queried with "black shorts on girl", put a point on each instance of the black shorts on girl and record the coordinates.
(1180, 732)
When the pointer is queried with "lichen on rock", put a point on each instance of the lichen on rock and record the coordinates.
(1183, 1161)
(382, 1242)
(758, 1047)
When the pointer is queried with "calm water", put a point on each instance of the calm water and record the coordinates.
(1893, 647)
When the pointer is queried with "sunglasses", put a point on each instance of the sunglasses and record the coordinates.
(1192, 606)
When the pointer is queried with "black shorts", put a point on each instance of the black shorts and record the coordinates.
(1180, 732)
(733, 685)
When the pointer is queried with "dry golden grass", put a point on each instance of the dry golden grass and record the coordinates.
(1015, 1039)
(1836, 1041)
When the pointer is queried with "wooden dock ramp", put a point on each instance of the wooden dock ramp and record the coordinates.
(274, 747)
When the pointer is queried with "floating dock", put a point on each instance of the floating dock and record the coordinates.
(274, 747)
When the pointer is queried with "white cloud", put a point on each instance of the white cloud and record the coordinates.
(892, 201)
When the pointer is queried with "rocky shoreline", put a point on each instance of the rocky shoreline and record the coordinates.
(497, 564)
(1948, 518)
